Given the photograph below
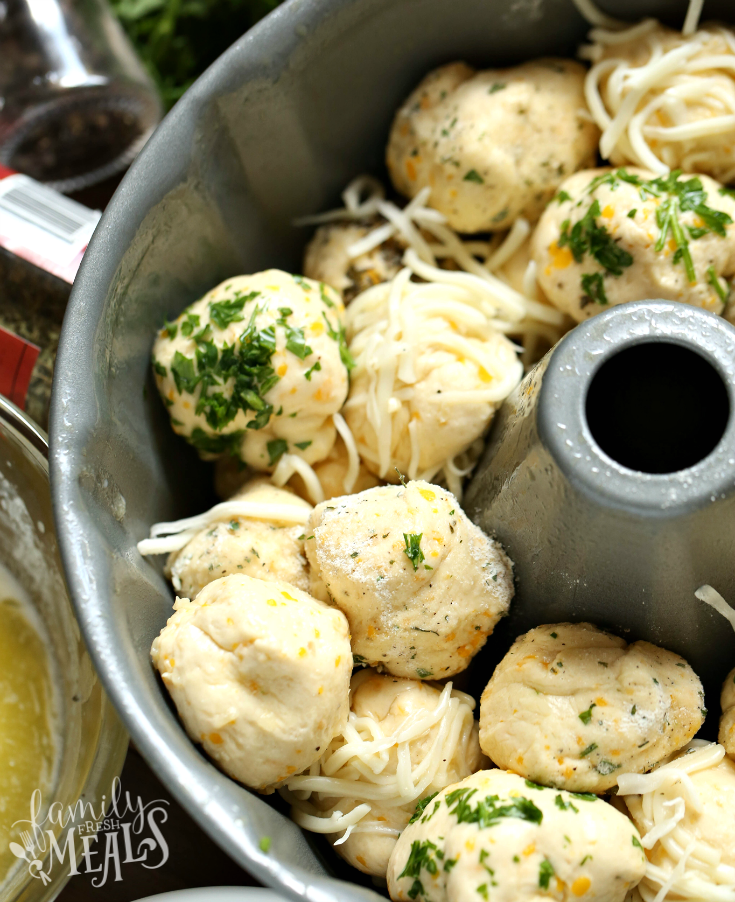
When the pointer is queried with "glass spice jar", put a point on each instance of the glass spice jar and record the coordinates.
(76, 105)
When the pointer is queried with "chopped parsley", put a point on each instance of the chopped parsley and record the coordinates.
(422, 855)
(450, 863)
(422, 673)
(413, 549)
(496, 86)
(593, 286)
(421, 805)
(587, 237)
(586, 716)
(312, 369)
(325, 297)
(584, 796)
(716, 284)
(276, 449)
(633, 710)
(302, 445)
(295, 342)
(229, 311)
(545, 873)
(265, 844)
(554, 636)
(170, 329)
(487, 812)
(605, 767)
(339, 336)
(561, 197)
(216, 444)
(532, 785)
(159, 369)
(631, 213)
(588, 751)
(473, 176)
(565, 806)
(190, 323)
(637, 843)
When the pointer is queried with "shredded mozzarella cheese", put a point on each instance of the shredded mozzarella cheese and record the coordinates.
(292, 463)
(687, 867)
(172, 536)
(654, 114)
(713, 598)
(363, 766)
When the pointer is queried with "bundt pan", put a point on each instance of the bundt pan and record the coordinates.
(274, 130)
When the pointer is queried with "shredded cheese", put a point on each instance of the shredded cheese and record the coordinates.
(172, 536)
(676, 109)
(713, 598)
(686, 866)
(364, 767)
(292, 463)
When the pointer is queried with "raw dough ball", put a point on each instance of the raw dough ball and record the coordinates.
(265, 549)
(326, 258)
(726, 736)
(259, 673)
(272, 346)
(390, 705)
(493, 145)
(421, 585)
(705, 838)
(420, 413)
(495, 836)
(573, 706)
(626, 266)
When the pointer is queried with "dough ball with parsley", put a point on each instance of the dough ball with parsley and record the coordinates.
(256, 368)
(726, 735)
(260, 675)
(264, 548)
(573, 706)
(327, 258)
(492, 145)
(495, 836)
(332, 473)
(429, 726)
(616, 235)
(422, 586)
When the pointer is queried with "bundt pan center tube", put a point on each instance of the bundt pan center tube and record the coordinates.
(610, 479)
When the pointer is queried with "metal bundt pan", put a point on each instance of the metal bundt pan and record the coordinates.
(275, 129)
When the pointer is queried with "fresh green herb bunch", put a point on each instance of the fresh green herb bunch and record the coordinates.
(178, 39)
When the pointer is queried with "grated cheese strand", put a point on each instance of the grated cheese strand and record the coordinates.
(713, 598)
(353, 457)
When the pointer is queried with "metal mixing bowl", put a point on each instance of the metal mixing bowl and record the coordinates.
(92, 740)
(275, 129)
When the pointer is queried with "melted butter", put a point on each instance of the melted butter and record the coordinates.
(27, 736)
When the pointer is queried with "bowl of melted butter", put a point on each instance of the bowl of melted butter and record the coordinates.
(61, 742)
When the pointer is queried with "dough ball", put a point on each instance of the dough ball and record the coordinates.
(492, 145)
(259, 673)
(383, 705)
(255, 369)
(445, 380)
(326, 258)
(332, 472)
(699, 96)
(699, 853)
(727, 721)
(264, 549)
(422, 586)
(597, 244)
(495, 836)
(573, 706)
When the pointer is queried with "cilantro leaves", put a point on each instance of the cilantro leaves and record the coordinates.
(229, 311)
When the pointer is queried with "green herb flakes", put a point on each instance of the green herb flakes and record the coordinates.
(593, 287)
(312, 369)
(473, 176)
(586, 716)
(422, 673)
(302, 446)
(716, 284)
(222, 313)
(545, 873)
(565, 806)
(588, 751)
(276, 449)
(413, 549)
(421, 805)
(265, 844)
(487, 811)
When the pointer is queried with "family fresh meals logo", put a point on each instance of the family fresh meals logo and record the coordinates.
(126, 831)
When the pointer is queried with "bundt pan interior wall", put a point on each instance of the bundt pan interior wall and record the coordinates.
(275, 129)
